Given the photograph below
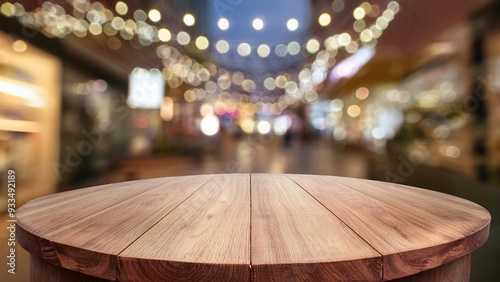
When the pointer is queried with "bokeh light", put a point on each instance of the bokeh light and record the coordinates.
(189, 20)
(324, 19)
(258, 24)
(292, 24)
(223, 23)
(154, 15)
(264, 127)
(210, 125)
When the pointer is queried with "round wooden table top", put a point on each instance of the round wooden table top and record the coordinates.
(244, 227)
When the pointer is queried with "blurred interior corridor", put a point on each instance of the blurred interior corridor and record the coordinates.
(97, 92)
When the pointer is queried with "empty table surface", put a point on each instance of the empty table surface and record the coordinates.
(242, 227)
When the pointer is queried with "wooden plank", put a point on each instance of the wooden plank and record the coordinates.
(41, 216)
(44, 271)
(455, 271)
(459, 214)
(69, 197)
(206, 238)
(469, 221)
(408, 242)
(295, 237)
(91, 244)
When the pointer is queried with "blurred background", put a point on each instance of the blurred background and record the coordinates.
(93, 92)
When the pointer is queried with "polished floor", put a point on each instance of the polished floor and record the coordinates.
(311, 157)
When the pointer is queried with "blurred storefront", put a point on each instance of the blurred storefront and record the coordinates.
(30, 95)
(492, 87)
(94, 126)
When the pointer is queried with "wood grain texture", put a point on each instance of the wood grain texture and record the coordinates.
(42, 271)
(455, 213)
(469, 221)
(260, 227)
(43, 215)
(132, 269)
(455, 271)
(409, 242)
(94, 238)
(294, 235)
(209, 234)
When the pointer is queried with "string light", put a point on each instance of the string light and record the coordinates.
(292, 24)
(244, 49)
(164, 35)
(189, 20)
(121, 8)
(154, 15)
(223, 24)
(201, 42)
(258, 24)
(263, 50)
(222, 46)
(312, 46)
(97, 20)
(183, 38)
(324, 19)
(359, 13)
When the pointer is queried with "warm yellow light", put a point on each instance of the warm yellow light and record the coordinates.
(210, 125)
(354, 110)
(189, 96)
(201, 42)
(344, 39)
(118, 23)
(362, 93)
(264, 127)
(281, 81)
(247, 125)
(292, 24)
(154, 15)
(19, 46)
(388, 15)
(223, 24)
(17, 90)
(366, 35)
(189, 19)
(359, 13)
(324, 19)
(312, 46)
(367, 7)
(167, 109)
(121, 8)
(8, 9)
(452, 151)
(393, 6)
(376, 31)
(351, 47)
(164, 35)
(248, 85)
(95, 28)
(206, 109)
